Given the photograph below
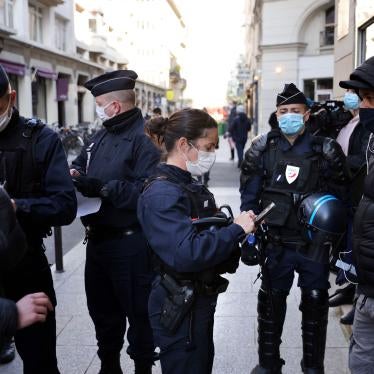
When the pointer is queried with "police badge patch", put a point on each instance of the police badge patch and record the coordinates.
(292, 172)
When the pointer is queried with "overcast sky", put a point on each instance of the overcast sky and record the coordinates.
(215, 40)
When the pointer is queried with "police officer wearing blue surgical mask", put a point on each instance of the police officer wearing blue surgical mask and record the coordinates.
(284, 166)
(189, 255)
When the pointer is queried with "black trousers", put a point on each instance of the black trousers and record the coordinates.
(118, 280)
(191, 349)
(36, 344)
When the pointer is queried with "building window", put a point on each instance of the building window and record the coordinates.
(318, 89)
(6, 13)
(366, 41)
(327, 35)
(60, 33)
(36, 23)
(92, 25)
(39, 98)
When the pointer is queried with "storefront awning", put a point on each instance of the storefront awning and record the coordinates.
(46, 73)
(62, 86)
(13, 68)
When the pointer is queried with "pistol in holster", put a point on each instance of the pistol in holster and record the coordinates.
(178, 302)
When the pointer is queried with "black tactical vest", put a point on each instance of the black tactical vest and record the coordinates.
(202, 205)
(288, 178)
(18, 169)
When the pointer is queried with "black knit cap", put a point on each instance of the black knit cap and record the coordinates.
(290, 95)
(362, 77)
(4, 82)
(113, 81)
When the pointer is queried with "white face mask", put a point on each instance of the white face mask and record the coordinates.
(100, 111)
(5, 118)
(204, 162)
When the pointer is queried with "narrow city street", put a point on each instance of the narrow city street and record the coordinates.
(235, 323)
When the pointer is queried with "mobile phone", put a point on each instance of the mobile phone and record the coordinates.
(264, 213)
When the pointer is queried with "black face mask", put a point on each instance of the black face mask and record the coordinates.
(367, 118)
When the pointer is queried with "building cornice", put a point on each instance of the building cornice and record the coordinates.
(36, 46)
(282, 46)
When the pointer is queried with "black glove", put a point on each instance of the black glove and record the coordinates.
(89, 187)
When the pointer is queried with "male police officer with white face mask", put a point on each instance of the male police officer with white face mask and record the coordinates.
(35, 174)
(284, 166)
(114, 167)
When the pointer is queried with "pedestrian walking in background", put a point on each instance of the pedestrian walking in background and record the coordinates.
(36, 176)
(239, 129)
(113, 167)
(228, 136)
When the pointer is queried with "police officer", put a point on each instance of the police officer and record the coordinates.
(31, 308)
(188, 257)
(35, 174)
(282, 166)
(117, 275)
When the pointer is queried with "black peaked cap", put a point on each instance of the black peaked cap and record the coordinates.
(362, 77)
(291, 95)
(4, 81)
(113, 81)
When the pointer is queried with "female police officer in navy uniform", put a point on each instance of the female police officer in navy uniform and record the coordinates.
(188, 257)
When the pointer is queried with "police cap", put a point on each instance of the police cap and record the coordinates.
(291, 95)
(113, 81)
(362, 77)
(4, 82)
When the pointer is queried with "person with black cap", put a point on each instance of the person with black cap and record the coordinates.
(113, 167)
(35, 174)
(361, 352)
(284, 166)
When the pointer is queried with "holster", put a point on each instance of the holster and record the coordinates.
(177, 304)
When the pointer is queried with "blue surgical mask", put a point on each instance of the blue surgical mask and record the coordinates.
(351, 101)
(291, 123)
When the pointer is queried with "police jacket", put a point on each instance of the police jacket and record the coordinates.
(36, 175)
(12, 249)
(274, 170)
(363, 230)
(122, 157)
(165, 214)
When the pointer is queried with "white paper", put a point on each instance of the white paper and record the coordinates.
(87, 205)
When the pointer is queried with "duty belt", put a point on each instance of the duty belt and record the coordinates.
(109, 232)
(219, 285)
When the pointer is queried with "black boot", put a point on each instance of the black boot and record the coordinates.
(314, 307)
(271, 314)
(343, 296)
(348, 318)
(8, 352)
(111, 364)
(232, 154)
(143, 367)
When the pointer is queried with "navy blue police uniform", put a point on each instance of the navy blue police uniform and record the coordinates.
(192, 257)
(275, 170)
(118, 272)
(36, 175)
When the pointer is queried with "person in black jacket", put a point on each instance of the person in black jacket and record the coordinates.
(361, 355)
(239, 129)
(118, 275)
(31, 308)
(35, 173)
